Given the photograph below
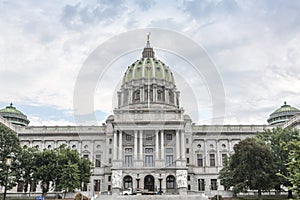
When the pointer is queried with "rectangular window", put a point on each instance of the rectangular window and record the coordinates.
(224, 157)
(98, 161)
(201, 185)
(128, 160)
(169, 160)
(214, 184)
(109, 160)
(187, 150)
(212, 160)
(199, 160)
(20, 187)
(86, 156)
(128, 157)
(109, 187)
(187, 140)
(188, 177)
(97, 185)
(128, 137)
(110, 151)
(109, 178)
(110, 141)
(187, 160)
(189, 187)
(169, 136)
(149, 160)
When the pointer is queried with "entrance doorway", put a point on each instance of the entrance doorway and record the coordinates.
(149, 183)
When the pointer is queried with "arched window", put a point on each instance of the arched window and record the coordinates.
(171, 97)
(136, 96)
(170, 181)
(127, 182)
(159, 95)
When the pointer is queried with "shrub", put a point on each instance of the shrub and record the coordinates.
(217, 197)
(78, 197)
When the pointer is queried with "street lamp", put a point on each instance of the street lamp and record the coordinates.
(160, 178)
(8, 164)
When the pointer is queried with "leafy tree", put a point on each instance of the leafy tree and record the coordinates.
(225, 174)
(294, 165)
(9, 146)
(60, 169)
(72, 169)
(250, 167)
(85, 167)
(277, 139)
(45, 168)
(27, 160)
(69, 178)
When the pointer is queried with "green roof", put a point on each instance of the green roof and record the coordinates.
(282, 114)
(148, 68)
(14, 116)
(11, 109)
(285, 108)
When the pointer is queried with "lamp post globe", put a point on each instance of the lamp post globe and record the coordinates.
(8, 161)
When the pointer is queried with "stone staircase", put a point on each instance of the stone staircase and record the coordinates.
(154, 197)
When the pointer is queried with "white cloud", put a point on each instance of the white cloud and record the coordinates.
(255, 47)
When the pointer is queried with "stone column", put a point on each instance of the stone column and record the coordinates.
(135, 145)
(175, 96)
(130, 95)
(166, 96)
(177, 145)
(141, 145)
(122, 97)
(182, 146)
(120, 145)
(119, 99)
(156, 145)
(142, 94)
(115, 147)
(154, 92)
(162, 145)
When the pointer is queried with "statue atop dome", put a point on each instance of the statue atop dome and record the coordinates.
(148, 50)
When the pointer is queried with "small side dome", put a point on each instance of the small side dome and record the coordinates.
(282, 114)
(14, 116)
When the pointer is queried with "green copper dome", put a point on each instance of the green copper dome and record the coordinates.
(148, 68)
(282, 114)
(14, 116)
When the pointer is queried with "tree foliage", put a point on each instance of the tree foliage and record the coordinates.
(27, 160)
(9, 146)
(61, 167)
(294, 165)
(277, 139)
(250, 167)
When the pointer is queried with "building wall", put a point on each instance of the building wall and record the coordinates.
(94, 141)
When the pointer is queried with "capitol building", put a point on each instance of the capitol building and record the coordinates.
(149, 143)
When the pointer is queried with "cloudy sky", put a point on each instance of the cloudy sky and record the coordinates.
(254, 45)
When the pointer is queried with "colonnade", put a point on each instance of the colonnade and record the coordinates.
(158, 145)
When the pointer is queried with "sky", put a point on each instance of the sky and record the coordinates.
(254, 45)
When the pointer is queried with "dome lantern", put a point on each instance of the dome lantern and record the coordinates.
(148, 50)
